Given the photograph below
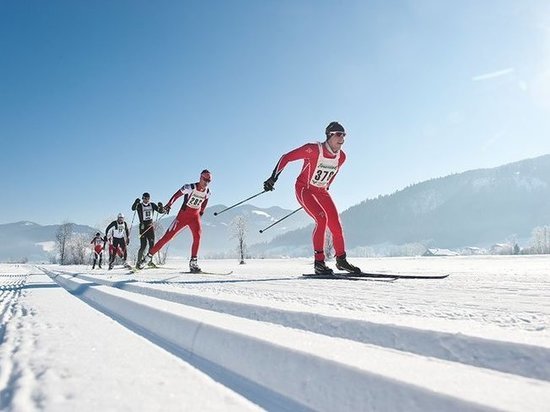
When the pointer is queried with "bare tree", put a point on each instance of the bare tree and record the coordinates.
(238, 231)
(62, 238)
(163, 253)
(78, 249)
(329, 245)
(540, 240)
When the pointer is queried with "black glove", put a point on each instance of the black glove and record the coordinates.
(201, 213)
(166, 209)
(269, 184)
(127, 242)
(105, 238)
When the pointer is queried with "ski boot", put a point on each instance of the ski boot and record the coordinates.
(110, 266)
(343, 264)
(151, 265)
(193, 266)
(321, 268)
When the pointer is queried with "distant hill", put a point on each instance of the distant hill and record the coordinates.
(474, 208)
(31, 241)
(28, 240)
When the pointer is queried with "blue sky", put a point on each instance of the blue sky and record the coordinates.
(102, 100)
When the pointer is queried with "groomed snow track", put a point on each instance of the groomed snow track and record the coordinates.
(329, 363)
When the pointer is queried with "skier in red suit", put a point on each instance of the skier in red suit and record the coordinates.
(321, 164)
(195, 199)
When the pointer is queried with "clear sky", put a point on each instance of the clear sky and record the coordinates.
(103, 100)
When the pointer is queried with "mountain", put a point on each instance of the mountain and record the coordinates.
(474, 208)
(30, 241)
(217, 238)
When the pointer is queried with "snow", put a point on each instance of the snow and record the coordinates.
(264, 338)
(262, 213)
(48, 246)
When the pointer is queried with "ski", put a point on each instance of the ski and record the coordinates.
(202, 272)
(349, 276)
(381, 275)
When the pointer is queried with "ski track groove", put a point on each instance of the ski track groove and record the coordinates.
(530, 361)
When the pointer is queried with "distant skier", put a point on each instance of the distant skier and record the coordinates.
(118, 231)
(195, 199)
(145, 209)
(321, 164)
(98, 244)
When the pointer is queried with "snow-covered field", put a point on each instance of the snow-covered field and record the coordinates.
(264, 338)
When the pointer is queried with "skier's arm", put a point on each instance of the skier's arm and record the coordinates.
(302, 152)
(136, 203)
(203, 206)
(111, 225)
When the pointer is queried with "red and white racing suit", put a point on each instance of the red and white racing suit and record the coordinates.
(318, 171)
(194, 203)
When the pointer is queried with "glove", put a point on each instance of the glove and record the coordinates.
(127, 242)
(201, 213)
(269, 184)
(105, 238)
(136, 202)
(166, 209)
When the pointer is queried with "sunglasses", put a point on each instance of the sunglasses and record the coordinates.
(339, 134)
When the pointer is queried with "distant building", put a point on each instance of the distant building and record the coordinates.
(502, 249)
(440, 252)
(473, 250)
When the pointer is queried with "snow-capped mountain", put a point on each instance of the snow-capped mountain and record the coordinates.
(30, 241)
(34, 242)
(217, 230)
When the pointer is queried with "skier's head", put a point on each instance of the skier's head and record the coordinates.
(146, 197)
(120, 217)
(98, 234)
(335, 134)
(206, 177)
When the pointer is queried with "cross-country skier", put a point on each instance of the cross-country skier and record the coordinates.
(145, 209)
(98, 244)
(321, 164)
(118, 231)
(195, 199)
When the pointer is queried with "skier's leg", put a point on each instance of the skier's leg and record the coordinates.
(196, 231)
(178, 224)
(143, 244)
(315, 210)
(333, 222)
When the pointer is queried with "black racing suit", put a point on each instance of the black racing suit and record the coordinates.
(146, 229)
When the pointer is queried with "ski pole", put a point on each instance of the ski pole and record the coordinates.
(237, 204)
(131, 224)
(281, 219)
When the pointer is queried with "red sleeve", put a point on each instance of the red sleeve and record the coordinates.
(303, 152)
(175, 197)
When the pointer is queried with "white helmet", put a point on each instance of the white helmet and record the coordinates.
(120, 216)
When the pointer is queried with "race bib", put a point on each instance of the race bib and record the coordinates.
(324, 171)
(196, 199)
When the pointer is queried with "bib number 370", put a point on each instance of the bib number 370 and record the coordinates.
(322, 177)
